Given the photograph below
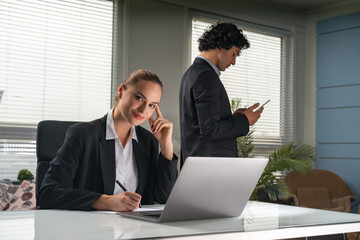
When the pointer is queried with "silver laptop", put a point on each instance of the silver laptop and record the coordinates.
(208, 187)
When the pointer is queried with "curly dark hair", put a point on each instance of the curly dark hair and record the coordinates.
(223, 35)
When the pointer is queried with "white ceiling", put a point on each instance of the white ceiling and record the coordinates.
(305, 5)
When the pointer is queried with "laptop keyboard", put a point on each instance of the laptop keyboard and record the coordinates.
(154, 214)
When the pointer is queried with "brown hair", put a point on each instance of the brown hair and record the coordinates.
(135, 77)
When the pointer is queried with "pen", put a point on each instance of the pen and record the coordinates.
(123, 188)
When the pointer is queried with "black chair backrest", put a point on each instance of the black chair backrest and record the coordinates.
(49, 139)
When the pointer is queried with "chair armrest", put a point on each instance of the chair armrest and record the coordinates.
(295, 199)
(343, 202)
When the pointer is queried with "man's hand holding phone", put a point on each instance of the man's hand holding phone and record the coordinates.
(262, 106)
(253, 113)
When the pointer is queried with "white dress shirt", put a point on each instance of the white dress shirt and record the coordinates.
(126, 170)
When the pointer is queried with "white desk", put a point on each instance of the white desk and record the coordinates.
(258, 221)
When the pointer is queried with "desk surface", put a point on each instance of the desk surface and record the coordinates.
(258, 221)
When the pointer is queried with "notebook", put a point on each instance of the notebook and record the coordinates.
(206, 188)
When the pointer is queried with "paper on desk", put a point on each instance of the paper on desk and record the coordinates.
(136, 210)
(145, 209)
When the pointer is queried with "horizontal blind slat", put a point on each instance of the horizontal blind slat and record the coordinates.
(55, 64)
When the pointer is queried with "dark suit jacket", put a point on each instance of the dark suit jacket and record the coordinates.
(206, 122)
(84, 169)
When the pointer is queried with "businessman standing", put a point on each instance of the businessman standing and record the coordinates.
(208, 128)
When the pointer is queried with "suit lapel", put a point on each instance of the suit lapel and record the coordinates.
(107, 159)
(142, 164)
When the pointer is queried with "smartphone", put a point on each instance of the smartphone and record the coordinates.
(262, 105)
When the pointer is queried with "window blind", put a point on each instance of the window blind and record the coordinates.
(55, 63)
(262, 72)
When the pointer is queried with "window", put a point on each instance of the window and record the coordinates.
(55, 63)
(262, 72)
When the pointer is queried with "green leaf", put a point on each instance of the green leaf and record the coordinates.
(297, 157)
(25, 174)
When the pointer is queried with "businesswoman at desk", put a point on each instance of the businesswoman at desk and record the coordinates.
(113, 148)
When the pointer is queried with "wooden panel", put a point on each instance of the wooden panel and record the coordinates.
(339, 23)
(338, 151)
(338, 97)
(338, 58)
(348, 170)
(338, 125)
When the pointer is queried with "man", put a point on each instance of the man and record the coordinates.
(208, 128)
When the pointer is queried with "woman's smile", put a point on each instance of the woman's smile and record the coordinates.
(138, 116)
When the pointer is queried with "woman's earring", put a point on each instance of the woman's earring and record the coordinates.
(121, 89)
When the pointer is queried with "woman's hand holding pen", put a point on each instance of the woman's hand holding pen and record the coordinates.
(162, 130)
(123, 202)
(127, 201)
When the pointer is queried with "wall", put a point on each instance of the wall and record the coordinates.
(308, 101)
(159, 39)
(156, 42)
(332, 114)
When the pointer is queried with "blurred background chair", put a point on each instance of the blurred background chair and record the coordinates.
(50, 137)
(320, 189)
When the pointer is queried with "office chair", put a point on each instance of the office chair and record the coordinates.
(320, 189)
(49, 139)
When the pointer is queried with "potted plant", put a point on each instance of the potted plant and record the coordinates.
(25, 174)
(245, 143)
(271, 186)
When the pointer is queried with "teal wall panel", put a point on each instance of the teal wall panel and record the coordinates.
(338, 59)
(338, 23)
(342, 150)
(339, 125)
(338, 97)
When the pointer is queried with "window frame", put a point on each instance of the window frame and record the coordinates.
(24, 134)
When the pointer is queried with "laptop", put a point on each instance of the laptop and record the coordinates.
(207, 188)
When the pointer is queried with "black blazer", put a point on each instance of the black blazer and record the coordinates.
(206, 122)
(84, 169)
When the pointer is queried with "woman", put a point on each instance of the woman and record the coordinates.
(95, 154)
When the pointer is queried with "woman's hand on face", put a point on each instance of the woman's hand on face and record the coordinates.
(162, 130)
